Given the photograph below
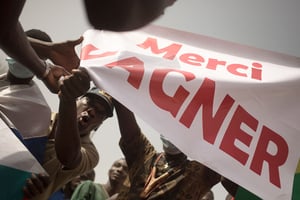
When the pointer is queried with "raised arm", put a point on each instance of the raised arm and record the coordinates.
(15, 44)
(67, 137)
(127, 123)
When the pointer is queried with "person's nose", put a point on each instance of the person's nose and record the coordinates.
(122, 170)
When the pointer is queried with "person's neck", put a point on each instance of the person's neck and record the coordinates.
(112, 188)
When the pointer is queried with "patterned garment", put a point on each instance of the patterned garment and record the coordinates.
(141, 156)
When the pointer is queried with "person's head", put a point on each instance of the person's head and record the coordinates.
(17, 72)
(40, 35)
(118, 171)
(208, 196)
(92, 109)
(124, 15)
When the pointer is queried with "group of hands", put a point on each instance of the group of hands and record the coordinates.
(65, 78)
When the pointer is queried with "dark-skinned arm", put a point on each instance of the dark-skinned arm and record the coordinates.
(67, 138)
(61, 53)
(127, 123)
(14, 42)
(16, 45)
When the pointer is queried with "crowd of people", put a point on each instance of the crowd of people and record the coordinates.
(62, 140)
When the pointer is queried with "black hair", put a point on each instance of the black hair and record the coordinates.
(38, 34)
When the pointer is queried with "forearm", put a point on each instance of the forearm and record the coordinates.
(17, 46)
(127, 123)
(67, 139)
(10, 12)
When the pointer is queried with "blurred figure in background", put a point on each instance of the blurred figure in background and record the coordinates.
(67, 190)
(89, 190)
(71, 186)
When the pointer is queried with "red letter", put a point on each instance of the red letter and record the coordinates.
(88, 49)
(275, 161)
(213, 63)
(170, 50)
(205, 98)
(134, 66)
(159, 97)
(192, 59)
(234, 132)
(256, 71)
(233, 69)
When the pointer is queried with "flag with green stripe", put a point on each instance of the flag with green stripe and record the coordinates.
(16, 164)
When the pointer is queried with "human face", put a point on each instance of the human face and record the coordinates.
(124, 15)
(118, 171)
(90, 114)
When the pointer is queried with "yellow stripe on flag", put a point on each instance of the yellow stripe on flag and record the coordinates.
(298, 168)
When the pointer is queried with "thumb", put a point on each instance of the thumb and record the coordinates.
(76, 42)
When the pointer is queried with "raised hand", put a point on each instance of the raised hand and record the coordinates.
(74, 85)
(62, 53)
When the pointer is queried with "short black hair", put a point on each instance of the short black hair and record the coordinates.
(38, 34)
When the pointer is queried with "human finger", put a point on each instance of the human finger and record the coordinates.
(30, 189)
(76, 41)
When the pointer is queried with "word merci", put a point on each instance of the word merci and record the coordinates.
(194, 59)
(204, 98)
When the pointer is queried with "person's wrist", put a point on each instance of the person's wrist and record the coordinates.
(48, 67)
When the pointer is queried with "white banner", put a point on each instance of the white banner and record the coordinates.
(233, 108)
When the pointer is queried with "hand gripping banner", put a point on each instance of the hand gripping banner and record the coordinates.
(234, 108)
